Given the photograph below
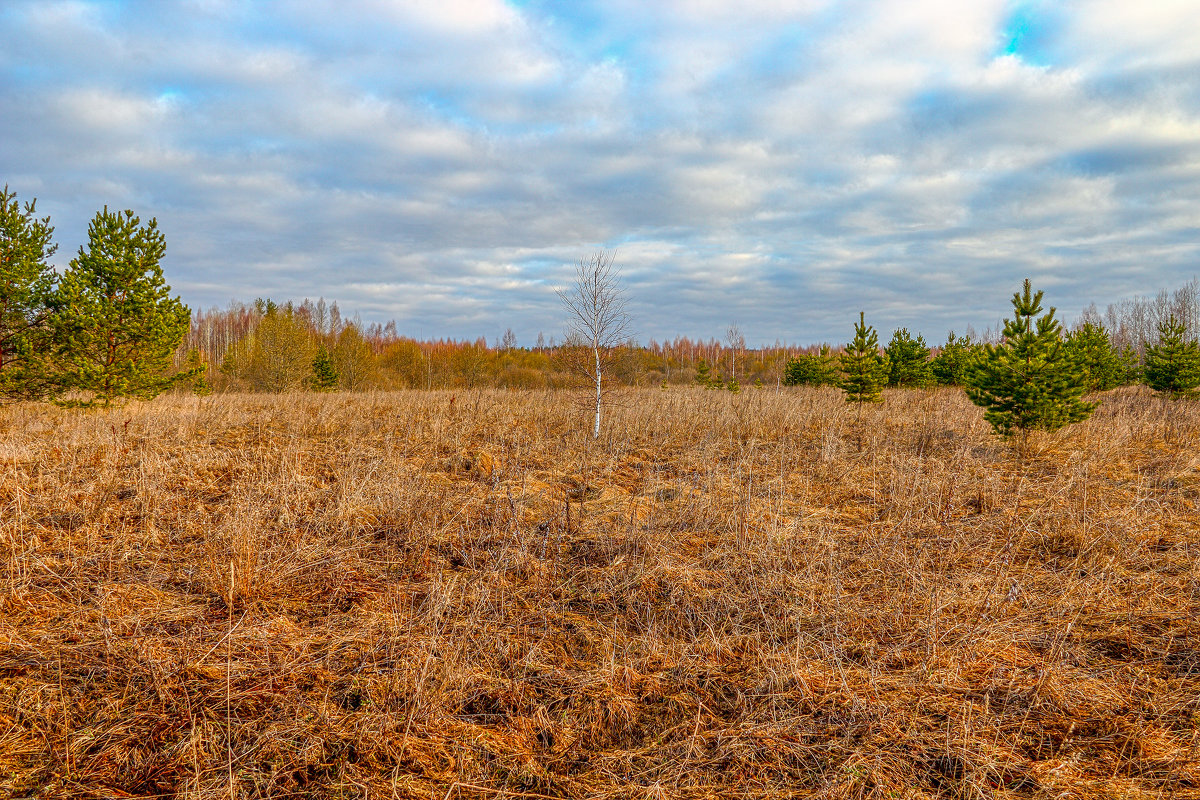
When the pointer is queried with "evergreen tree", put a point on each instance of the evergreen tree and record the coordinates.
(1094, 354)
(116, 323)
(864, 370)
(812, 369)
(26, 288)
(197, 368)
(951, 365)
(1029, 380)
(1173, 365)
(703, 373)
(908, 360)
(1131, 366)
(325, 373)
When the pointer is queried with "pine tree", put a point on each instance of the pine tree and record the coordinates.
(116, 323)
(908, 359)
(197, 368)
(812, 369)
(1173, 365)
(952, 363)
(1094, 354)
(1030, 380)
(325, 373)
(1131, 366)
(864, 370)
(26, 289)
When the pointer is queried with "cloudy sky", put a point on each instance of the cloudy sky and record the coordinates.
(779, 164)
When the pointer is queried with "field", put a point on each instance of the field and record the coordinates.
(762, 595)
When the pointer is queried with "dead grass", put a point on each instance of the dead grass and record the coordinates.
(397, 595)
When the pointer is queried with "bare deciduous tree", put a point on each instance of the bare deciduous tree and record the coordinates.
(596, 319)
(736, 343)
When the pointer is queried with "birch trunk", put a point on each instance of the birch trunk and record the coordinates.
(596, 426)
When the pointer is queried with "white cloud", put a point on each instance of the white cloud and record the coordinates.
(782, 163)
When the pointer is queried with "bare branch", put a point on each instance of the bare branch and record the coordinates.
(596, 318)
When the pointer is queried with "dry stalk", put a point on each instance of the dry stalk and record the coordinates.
(726, 599)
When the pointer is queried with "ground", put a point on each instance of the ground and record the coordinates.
(427, 594)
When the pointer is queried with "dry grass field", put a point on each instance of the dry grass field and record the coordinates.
(758, 595)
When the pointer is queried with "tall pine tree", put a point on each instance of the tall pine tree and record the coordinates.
(1030, 380)
(1173, 365)
(26, 288)
(864, 370)
(116, 323)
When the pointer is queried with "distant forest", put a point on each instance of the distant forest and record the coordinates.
(281, 346)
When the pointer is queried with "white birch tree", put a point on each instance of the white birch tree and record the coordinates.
(596, 319)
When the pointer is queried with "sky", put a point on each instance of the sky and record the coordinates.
(771, 164)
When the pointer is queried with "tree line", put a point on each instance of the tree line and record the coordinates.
(1034, 377)
(108, 328)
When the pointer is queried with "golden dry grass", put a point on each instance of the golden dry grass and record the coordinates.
(423, 595)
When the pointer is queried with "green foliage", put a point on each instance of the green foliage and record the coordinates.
(324, 371)
(1030, 380)
(714, 380)
(950, 367)
(1131, 366)
(812, 369)
(864, 370)
(197, 368)
(908, 360)
(26, 288)
(1173, 365)
(277, 356)
(116, 325)
(1092, 350)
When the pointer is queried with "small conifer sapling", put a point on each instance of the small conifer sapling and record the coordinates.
(1093, 352)
(1030, 380)
(864, 370)
(325, 373)
(1173, 364)
(908, 360)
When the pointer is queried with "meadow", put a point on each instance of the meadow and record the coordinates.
(462, 595)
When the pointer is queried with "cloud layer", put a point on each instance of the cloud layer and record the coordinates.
(778, 164)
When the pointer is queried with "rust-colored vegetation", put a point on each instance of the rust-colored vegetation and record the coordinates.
(760, 595)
